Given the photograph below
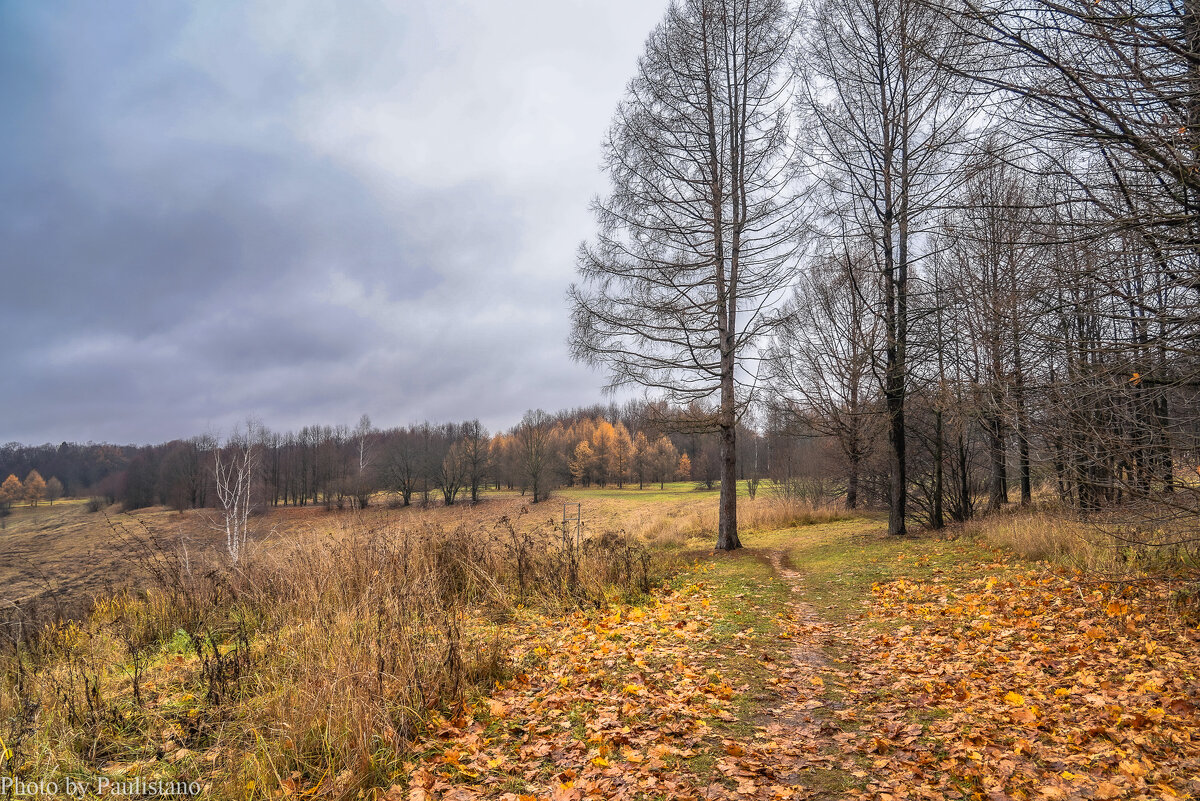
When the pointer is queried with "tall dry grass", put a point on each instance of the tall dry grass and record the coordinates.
(310, 664)
(1099, 544)
(1037, 535)
(784, 511)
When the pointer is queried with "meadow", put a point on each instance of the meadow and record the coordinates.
(483, 652)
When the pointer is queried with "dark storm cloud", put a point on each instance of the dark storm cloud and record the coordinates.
(297, 211)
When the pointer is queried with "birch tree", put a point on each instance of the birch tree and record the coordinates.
(234, 471)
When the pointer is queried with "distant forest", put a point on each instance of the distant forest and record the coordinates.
(634, 444)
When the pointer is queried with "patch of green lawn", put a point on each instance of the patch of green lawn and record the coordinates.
(839, 562)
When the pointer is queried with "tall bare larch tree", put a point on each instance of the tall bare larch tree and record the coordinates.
(697, 234)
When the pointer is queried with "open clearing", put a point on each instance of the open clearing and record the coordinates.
(822, 661)
(62, 555)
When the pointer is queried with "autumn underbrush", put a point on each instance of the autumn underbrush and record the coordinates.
(312, 665)
(954, 668)
(393, 659)
(1103, 544)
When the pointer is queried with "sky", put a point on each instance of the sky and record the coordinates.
(300, 212)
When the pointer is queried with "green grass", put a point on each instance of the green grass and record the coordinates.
(841, 561)
(745, 595)
(671, 491)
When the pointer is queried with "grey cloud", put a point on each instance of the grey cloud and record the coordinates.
(296, 211)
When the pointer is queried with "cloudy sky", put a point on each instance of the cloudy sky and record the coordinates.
(301, 211)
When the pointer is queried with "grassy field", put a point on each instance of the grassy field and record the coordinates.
(62, 555)
(471, 652)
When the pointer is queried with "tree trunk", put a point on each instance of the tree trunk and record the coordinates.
(964, 480)
(899, 480)
(894, 398)
(997, 484)
(1022, 417)
(936, 516)
(727, 536)
(1023, 461)
(852, 482)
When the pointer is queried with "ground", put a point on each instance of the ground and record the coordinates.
(833, 662)
(822, 661)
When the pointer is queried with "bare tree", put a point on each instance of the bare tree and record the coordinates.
(533, 451)
(890, 117)
(452, 473)
(994, 259)
(234, 471)
(821, 363)
(476, 454)
(1120, 79)
(698, 231)
(54, 489)
(401, 466)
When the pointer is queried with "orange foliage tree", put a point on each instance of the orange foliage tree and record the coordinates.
(11, 491)
(35, 487)
(684, 471)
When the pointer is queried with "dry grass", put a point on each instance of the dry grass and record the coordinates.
(314, 660)
(1100, 545)
(61, 555)
(767, 513)
(688, 519)
(761, 514)
(1038, 535)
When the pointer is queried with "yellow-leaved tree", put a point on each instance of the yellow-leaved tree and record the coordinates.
(11, 491)
(604, 442)
(684, 472)
(622, 454)
(583, 464)
(35, 487)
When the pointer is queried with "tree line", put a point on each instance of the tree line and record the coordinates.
(637, 444)
(931, 255)
(956, 242)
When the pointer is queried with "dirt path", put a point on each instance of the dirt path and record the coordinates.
(814, 764)
(809, 649)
